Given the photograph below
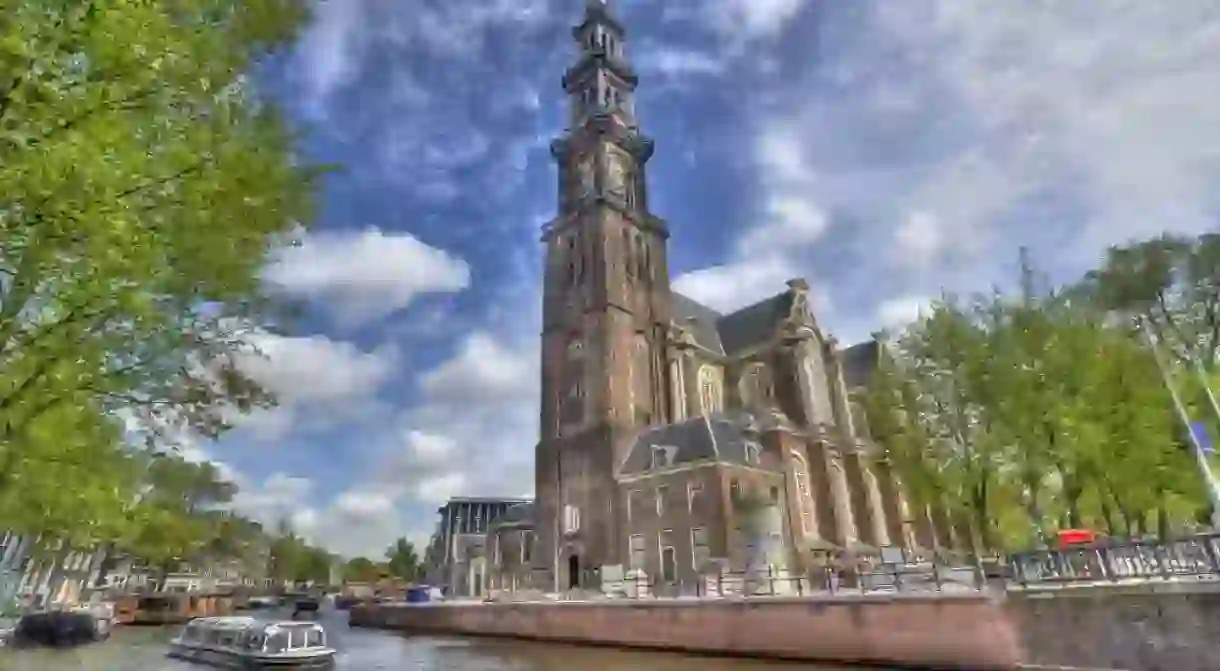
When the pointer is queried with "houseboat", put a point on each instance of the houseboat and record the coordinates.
(249, 643)
(61, 628)
(171, 608)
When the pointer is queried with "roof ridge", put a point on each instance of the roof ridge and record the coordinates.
(707, 424)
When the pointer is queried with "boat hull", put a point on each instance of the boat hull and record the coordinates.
(230, 660)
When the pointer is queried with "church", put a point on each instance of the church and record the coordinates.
(675, 438)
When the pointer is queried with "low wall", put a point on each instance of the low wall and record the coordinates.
(916, 631)
(1150, 627)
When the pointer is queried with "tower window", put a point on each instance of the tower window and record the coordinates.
(628, 262)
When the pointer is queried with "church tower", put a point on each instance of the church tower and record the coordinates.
(605, 301)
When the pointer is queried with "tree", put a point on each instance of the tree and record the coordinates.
(1043, 410)
(141, 186)
(361, 569)
(402, 561)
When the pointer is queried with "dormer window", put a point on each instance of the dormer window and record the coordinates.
(662, 456)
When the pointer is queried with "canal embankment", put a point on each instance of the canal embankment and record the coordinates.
(931, 631)
(1156, 626)
(1151, 626)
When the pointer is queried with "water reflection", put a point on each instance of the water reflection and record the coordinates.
(140, 649)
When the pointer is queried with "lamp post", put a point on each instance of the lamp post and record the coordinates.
(559, 510)
(1205, 469)
(1207, 387)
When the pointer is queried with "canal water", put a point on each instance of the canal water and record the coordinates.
(143, 649)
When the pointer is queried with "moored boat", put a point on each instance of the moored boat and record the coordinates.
(60, 628)
(249, 643)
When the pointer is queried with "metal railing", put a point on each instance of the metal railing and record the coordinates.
(768, 581)
(1193, 557)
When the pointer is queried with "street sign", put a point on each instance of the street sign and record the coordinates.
(1199, 429)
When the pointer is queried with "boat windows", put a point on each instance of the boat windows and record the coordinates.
(254, 641)
(317, 638)
(299, 638)
(277, 641)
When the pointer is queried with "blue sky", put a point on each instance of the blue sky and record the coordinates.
(882, 150)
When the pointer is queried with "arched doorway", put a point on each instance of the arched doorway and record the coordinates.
(573, 571)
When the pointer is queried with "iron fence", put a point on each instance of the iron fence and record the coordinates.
(1190, 558)
(770, 581)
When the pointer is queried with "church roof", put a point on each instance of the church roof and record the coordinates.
(520, 514)
(859, 363)
(720, 438)
(753, 324)
(735, 332)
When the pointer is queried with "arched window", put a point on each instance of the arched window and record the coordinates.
(710, 394)
(818, 388)
(859, 419)
(755, 385)
(804, 491)
(628, 256)
(641, 257)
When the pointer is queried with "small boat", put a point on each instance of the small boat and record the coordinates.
(66, 628)
(249, 643)
(306, 605)
(261, 603)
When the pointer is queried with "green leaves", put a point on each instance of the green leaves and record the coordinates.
(141, 186)
(402, 560)
(1047, 411)
(294, 560)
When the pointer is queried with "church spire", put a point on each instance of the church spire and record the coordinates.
(601, 82)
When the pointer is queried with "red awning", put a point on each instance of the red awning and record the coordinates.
(1077, 537)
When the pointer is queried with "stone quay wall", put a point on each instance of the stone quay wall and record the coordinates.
(1149, 627)
(942, 631)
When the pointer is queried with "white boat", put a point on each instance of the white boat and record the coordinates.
(249, 643)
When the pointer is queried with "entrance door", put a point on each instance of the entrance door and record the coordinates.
(573, 571)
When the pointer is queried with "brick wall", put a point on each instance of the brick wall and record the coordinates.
(940, 632)
(1151, 628)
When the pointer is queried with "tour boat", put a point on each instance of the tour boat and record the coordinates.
(249, 643)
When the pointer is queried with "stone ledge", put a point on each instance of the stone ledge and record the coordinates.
(693, 602)
(956, 631)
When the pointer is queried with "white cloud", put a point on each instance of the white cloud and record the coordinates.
(669, 62)
(897, 312)
(351, 41)
(737, 284)
(918, 241)
(318, 382)
(948, 133)
(1109, 105)
(326, 50)
(484, 369)
(356, 522)
(363, 276)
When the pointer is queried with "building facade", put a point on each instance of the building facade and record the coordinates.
(676, 438)
(456, 560)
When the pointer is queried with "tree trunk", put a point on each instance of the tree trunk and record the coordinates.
(1033, 509)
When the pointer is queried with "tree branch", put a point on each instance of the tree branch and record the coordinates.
(124, 104)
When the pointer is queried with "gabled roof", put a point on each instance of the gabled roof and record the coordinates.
(521, 514)
(721, 438)
(732, 333)
(860, 361)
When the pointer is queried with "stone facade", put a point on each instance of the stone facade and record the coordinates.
(664, 421)
(457, 558)
(927, 632)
